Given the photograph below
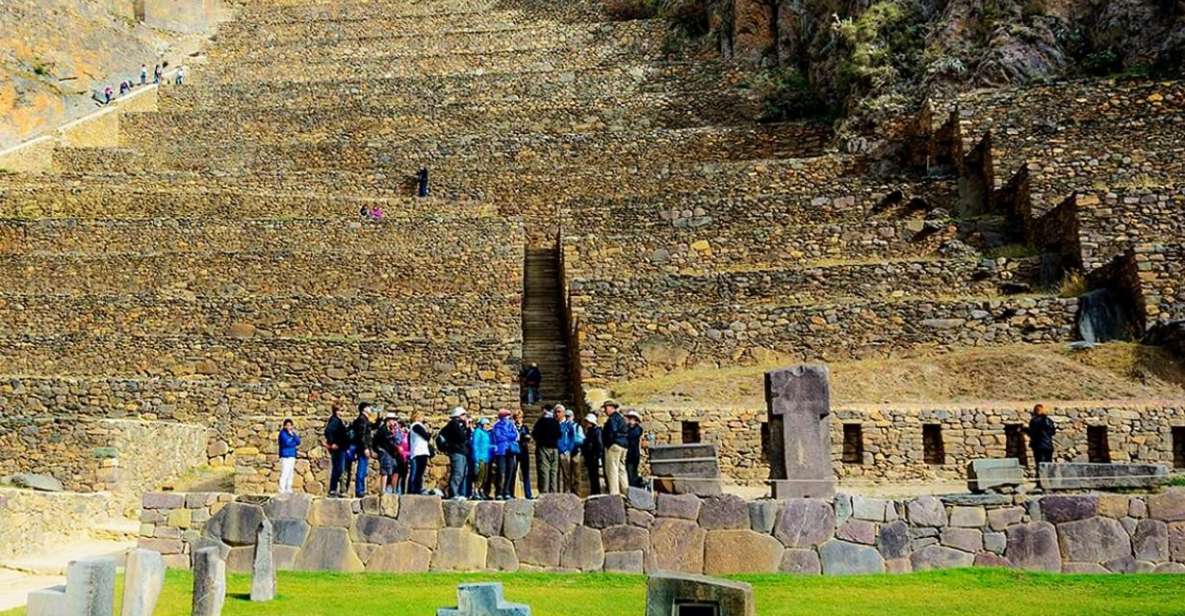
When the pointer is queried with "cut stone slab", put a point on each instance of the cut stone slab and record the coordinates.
(677, 545)
(639, 498)
(483, 599)
(336, 512)
(457, 513)
(604, 511)
(328, 549)
(994, 473)
(763, 514)
(459, 549)
(893, 540)
(1034, 547)
(1100, 476)
(988, 559)
(800, 561)
(869, 509)
(209, 582)
(144, 576)
(291, 532)
(926, 511)
(1000, 519)
(625, 538)
(47, 602)
(239, 523)
(500, 555)
(968, 517)
(516, 518)
(940, 557)
(666, 591)
(843, 558)
(583, 550)
(804, 523)
(263, 569)
(966, 539)
(402, 557)
(421, 512)
(1058, 509)
(857, 531)
(563, 512)
(798, 402)
(90, 587)
(683, 506)
(724, 512)
(380, 530)
(1151, 541)
(1168, 506)
(487, 518)
(729, 552)
(541, 547)
(288, 507)
(624, 562)
(1094, 540)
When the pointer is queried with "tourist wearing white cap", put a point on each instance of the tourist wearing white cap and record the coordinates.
(592, 451)
(569, 447)
(455, 443)
(633, 453)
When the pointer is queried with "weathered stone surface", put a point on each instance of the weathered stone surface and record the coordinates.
(800, 561)
(604, 511)
(682, 506)
(804, 523)
(968, 517)
(483, 599)
(421, 512)
(1168, 506)
(843, 508)
(239, 559)
(457, 513)
(940, 557)
(867, 508)
(425, 537)
(162, 500)
(562, 511)
(966, 539)
(1000, 519)
(487, 518)
(541, 547)
(1058, 508)
(459, 549)
(639, 518)
(988, 559)
(500, 555)
(1090, 568)
(1177, 541)
(90, 587)
(516, 519)
(798, 403)
(1113, 505)
(995, 542)
(730, 598)
(144, 576)
(724, 512)
(843, 558)
(1034, 546)
(328, 549)
(46, 602)
(291, 532)
(639, 498)
(1151, 541)
(379, 530)
(857, 531)
(893, 540)
(763, 514)
(926, 511)
(1099, 476)
(288, 506)
(583, 550)
(1127, 564)
(336, 512)
(729, 552)
(677, 545)
(993, 473)
(209, 583)
(370, 505)
(1177, 568)
(402, 557)
(624, 562)
(240, 521)
(263, 569)
(1093, 540)
(625, 539)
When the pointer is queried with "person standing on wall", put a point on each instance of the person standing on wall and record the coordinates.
(530, 379)
(422, 182)
(418, 447)
(454, 442)
(288, 442)
(337, 440)
(506, 449)
(386, 444)
(592, 451)
(481, 460)
(524, 456)
(571, 437)
(546, 433)
(615, 441)
(143, 74)
(361, 440)
(633, 454)
(1041, 430)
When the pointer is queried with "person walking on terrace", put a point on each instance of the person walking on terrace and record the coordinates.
(592, 451)
(1041, 430)
(422, 182)
(360, 450)
(387, 442)
(633, 453)
(337, 441)
(454, 442)
(615, 439)
(571, 436)
(546, 433)
(143, 74)
(524, 457)
(288, 442)
(505, 437)
(481, 447)
(181, 75)
(156, 74)
(419, 451)
(530, 378)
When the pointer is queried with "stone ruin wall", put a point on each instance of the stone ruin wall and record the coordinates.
(724, 535)
(31, 522)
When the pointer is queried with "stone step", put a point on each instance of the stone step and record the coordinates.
(686, 451)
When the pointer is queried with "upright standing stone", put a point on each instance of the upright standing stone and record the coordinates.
(47, 602)
(483, 600)
(798, 400)
(672, 594)
(90, 587)
(209, 582)
(263, 571)
(144, 576)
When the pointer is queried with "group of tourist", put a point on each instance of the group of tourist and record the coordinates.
(108, 94)
(486, 456)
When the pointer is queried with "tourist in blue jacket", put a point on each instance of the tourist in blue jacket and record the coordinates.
(481, 459)
(506, 450)
(288, 441)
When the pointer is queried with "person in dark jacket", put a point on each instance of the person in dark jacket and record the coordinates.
(388, 440)
(337, 441)
(288, 442)
(530, 379)
(591, 450)
(360, 450)
(633, 452)
(524, 458)
(1041, 430)
(422, 182)
(456, 437)
(547, 454)
(616, 442)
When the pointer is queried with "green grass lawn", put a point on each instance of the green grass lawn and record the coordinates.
(969, 591)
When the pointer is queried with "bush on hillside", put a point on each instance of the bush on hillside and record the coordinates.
(626, 10)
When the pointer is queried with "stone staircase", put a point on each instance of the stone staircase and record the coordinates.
(545, 340)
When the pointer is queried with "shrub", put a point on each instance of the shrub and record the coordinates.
(692, 18)
(626, 10)
(1101, 63)
(786, 95)
(1073, 284)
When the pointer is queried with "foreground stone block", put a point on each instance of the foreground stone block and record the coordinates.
(728, 552)
(209, 582)
(483, 600)
(1097, 476)
(402, 557)
(994, 473)
(843, 558)
(677, 545)
(804, 523)
(1034, 547)
(90, 587)
(940, 557)
(47, 602)
(328, 549)
(673, 595)
(144, 576)
(798, 402)
(263, 569)
(459, 549)
(583, 550)
(604, 511)
(421, 512)
(1093, 540)
(240, 522)
(1058, 509)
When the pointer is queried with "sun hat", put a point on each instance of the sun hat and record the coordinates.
(610, 402)
(391, 415)
(503, 413)
(633, 414)
(483, 421)
(457, 412)
(591, 418)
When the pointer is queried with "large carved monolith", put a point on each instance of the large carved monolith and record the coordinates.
(798, 401)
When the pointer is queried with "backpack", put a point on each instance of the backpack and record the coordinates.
(440, 442)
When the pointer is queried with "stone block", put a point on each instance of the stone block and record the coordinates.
(926, 511)
(763, 514)
(421, 512)
(800, 561)
(805, 522)
(966, 539)
(1177, 568)
(328, 549)
(994, 473)
(995, 542)
(284, 557)
(1058, 508)
(402, 557)
(870, 509)
(239, 523)
(1168, 506)
(1000, 519)
(1177, 541)
(1095, 539)
(162, 500)
(487, 518)
(893, 540)
(940, 557)
(288, 506)
(90, 587)
(989, 559)
(724, 512)
(1084, 568)
(263, 568)
(624, 562)
(842, 503)
(639, 518)
(857, 531)
(163, 546)
(639, 498)
(604, 511)
(516, 519)
(1151, 541)
(500, 555)
(583, 550)
(457, 513)
(677, 545)
(425, 537)
(459, 549)
(380, 530)
(1113, 505)
(1034, 546)
(541, 547)
(968, 517)
(484, 599)
(798, 401)
(46, 602)
(1100, 476)
(625, 539)
(209, 583)
(844, 558)
(389, 505)
(332, 512)
(144, 576)
(683, 506)
(291, 531)
(729, 552)
(665, 592)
